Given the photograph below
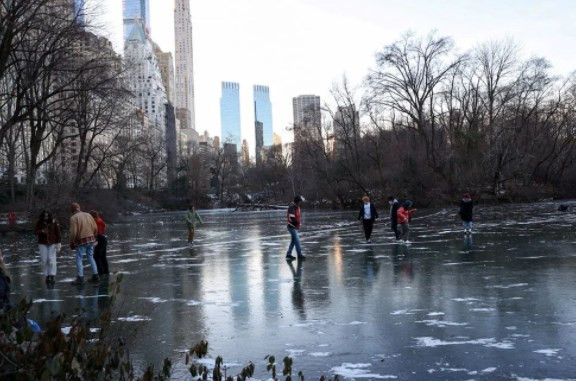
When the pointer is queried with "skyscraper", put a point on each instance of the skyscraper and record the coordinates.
(263, 112)
(144, 76)
(307, 117)
(136, 12)
(80, 12)
(230, 113)
(184, 64)
(258, 128)
(166, 64)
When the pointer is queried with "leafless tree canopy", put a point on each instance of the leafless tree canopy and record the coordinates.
(429, 121)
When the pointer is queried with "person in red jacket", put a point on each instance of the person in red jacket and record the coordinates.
(294, 218)
(100, 249)
(404, 213)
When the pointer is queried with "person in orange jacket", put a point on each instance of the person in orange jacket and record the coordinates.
(404, 213)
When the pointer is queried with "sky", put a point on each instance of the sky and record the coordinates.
(301, 47)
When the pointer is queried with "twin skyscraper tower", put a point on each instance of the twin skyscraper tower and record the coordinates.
(230, 115)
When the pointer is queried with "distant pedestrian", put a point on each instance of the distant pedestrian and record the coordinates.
(5, 283)
(294, 219)
(82, 234)
(404, 215)
(49, 243)
(394, 205)
(100, 249)
(12, 219)
(367, 215)
(466, 206)
(192, 217)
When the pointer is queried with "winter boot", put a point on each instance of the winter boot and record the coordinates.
(79, 280)
(95, 279)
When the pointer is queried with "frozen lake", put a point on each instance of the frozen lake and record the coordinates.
(498, 305)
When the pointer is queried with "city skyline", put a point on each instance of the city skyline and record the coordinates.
(311, 44)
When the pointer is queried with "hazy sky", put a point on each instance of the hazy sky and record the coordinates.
(303, 46)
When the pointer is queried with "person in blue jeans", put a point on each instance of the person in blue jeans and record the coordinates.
(82, 234)
(294, 219)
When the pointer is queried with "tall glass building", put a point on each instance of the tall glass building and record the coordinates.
(263, 112)
(80, 12)
(230, 114)
(136, 11)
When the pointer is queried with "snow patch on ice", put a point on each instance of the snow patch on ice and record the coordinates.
(352, 323)
(46, 300)
(134, 318)
(402, 312)
(348, 370)
(150, 244)
(436, 313)
(127, 260)
(483, 309)
(440, 323)
(548, 352)
(295, 352)
(509, 286)
(491, 343)
(154, 299)
(466, 300)
(320, 354)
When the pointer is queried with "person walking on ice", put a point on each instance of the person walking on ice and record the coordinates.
(49, 243)
(394, 205)
(466, 206)
(367, 215)
(294, 219)
(82, 234)
(192, 217)
(100, 249)
(404, 213)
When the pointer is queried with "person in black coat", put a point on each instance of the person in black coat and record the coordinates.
(367, 215)
(394, 205)
(466, 206)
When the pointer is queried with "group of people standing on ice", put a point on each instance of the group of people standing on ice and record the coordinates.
(87, 237)
(401, 215)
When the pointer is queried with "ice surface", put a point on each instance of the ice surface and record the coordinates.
(364, 310)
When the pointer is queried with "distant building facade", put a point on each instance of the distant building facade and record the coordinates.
(245, 153)
(231, 130)
(144, 77)
(307, 117)
(263, 113)
(80, 12)
(259, 128)
(345, 129)
(166, 64)
(184, 65)
(136, 12)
